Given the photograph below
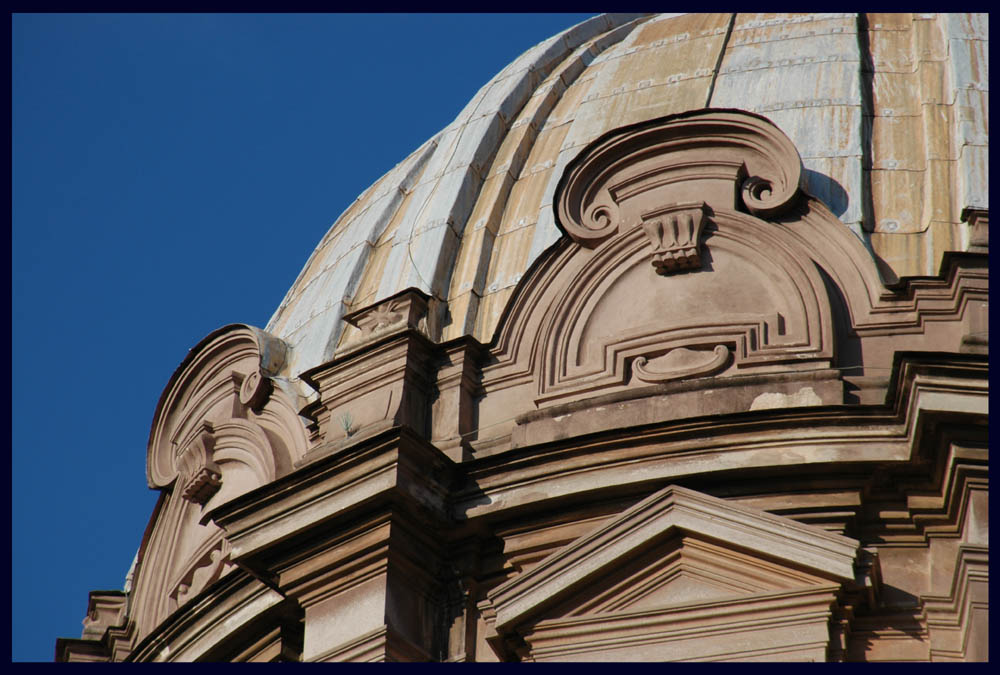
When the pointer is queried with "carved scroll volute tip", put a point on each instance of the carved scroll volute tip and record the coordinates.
(255, 390)
(600, 221)
(766, 198)
(589, 224)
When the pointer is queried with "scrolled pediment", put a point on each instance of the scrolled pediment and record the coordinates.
(222, 397)
(672, 270)
(726, 159)
(221, 429)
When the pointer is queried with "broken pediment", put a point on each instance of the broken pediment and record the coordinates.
(679, 574)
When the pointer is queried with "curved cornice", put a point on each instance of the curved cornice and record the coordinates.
(196, 384)
(623, 177)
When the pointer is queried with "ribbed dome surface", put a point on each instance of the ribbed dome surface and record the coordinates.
(889, 113)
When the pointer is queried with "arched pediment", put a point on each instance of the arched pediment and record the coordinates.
(223, 426)
(755, 300)
(693, 251)
(675, 273)
(221, 408)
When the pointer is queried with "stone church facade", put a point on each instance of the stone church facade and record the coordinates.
(673, 346)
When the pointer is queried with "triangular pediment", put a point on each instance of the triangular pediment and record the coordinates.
(675, 548)
(683, 570)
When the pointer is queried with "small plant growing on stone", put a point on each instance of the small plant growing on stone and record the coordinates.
(348, 423)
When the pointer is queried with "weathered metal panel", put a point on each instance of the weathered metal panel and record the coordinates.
(652, 77)
(803, 73)
(969, 69)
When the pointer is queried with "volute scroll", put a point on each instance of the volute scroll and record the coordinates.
(725, 159)
(222, 427)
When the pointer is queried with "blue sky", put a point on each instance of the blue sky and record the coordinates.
(171, 174)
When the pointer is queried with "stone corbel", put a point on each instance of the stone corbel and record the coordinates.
(720, 159)
(674, 233)
(201, 476)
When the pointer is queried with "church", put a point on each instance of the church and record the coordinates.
(673, 346)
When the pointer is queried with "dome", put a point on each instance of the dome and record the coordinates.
(672, 346)
(902, 100)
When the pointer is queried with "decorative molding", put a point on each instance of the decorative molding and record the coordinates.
(726, 158)
(587, 452)
(676, 562)
(965, 609)
(570, 569)
(407, 310)
(678, 363)
(979, 228)
(788, 625)
(208, 623)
